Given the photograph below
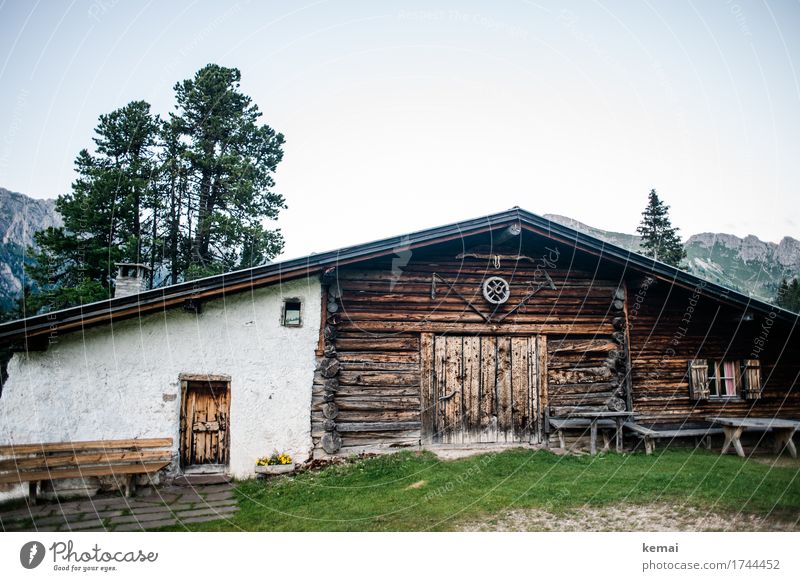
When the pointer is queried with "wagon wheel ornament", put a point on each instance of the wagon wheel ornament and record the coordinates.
(496, 290)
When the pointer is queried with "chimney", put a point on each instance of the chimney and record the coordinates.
(131, 279)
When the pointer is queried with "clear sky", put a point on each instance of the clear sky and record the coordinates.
(404, 115)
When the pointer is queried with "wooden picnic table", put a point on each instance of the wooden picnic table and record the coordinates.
(594, 417)
(735, 426)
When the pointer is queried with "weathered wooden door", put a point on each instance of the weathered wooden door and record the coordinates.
(204, 423)
(480, 389)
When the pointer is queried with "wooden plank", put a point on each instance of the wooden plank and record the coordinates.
(581, 375)
(227, 435)
(379, 378)
(190, 412)
(488, 390)
(533, 391)
(379, 365)
(504, 419)
(459, 315)
(61, 473)
(212, 437)
(582, 346)
(427, 408)
(520, 384)
(85, 458)
(627, 351)
(542, 383)
(369, 342)
(204, 378)
(346, 391)
(571, 326)
(376, 416)
(440, 383)
(322, 316)
(16, 450)
(198, 442)
(183, 423)
(453, 391)
(376, 426)
(471, 389)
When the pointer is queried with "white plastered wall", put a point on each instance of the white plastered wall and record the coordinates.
(121, 380)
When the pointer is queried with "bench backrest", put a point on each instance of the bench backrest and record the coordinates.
(54, 460)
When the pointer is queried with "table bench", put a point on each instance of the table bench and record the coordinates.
(592, 420)
(733, 428)
(33, 463)
(649, 434)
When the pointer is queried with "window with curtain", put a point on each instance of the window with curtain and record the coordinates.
(724, 378)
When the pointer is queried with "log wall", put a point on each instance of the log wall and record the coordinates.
(670, 326)
(615, 340)
(383, 306)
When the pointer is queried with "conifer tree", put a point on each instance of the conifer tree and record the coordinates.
(188, 196)
(660, 239)
(788, 295)
(231, 160)
(105, 215)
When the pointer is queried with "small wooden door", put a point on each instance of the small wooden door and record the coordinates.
(480, 389)
(204, 423)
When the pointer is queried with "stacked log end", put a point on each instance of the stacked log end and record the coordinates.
(617, 360)
(329, 366)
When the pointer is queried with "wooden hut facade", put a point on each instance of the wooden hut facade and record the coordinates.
(483, 335)
(475, 333)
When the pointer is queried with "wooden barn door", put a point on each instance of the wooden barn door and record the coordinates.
(204, 423)
(480, 389)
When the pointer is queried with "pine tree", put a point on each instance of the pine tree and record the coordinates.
(230, 161)
(105, 215)
(173, 183)
(788, 295)
(660, 239)
(187, 196)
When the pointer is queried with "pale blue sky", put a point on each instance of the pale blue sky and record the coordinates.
(405, 115)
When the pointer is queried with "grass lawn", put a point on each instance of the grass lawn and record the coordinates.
(411, 491)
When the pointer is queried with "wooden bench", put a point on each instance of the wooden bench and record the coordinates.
(34, 463)
(784, 430)
(649, 435)
(561, 424)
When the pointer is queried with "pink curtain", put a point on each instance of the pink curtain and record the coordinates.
(729, 372)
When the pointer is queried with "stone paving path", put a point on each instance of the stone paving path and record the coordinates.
(165, 506)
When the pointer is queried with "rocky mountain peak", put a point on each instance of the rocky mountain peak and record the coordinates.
(748, 264)
(21, 216)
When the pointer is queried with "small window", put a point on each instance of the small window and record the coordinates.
(724, 378)
(292, 313)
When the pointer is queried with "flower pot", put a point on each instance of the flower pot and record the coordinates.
(275, 469)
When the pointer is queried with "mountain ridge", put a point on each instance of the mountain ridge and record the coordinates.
(747, 264)
(20, 217)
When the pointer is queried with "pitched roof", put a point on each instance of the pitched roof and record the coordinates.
(75, 318)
